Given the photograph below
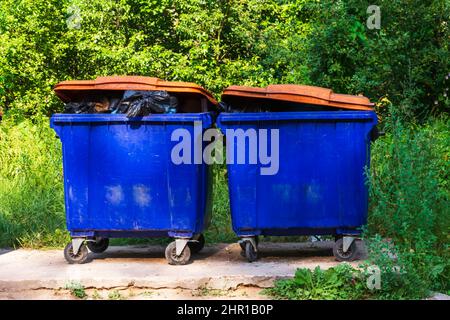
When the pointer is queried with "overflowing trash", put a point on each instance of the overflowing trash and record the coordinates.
(142, 103)
(132, 104)
(123, 161)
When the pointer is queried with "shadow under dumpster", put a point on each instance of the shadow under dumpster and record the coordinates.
(268, 252)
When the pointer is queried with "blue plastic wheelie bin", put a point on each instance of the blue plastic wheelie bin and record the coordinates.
(120, 180)
(318, 186)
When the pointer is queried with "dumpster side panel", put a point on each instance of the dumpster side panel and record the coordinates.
(243, 192)
(75, 152)
(119, 175)
(319, 187)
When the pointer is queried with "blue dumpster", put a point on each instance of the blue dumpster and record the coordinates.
(319, 186)
(120, 181)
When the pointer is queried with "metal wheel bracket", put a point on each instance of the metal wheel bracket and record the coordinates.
(76, 245)
(180, 244)
(251, 240)
(346, 243)
(95, 240)
(195, 238)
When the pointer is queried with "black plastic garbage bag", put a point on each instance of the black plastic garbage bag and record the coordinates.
(270, 106)
(79, 107)
(133, 104)
(227, 107)
(88, 106)
(143, 103)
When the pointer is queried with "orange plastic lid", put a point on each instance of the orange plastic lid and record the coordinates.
(299, 94)
(74, 89)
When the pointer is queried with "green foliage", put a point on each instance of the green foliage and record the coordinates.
(219, 43)
(409, 195)
(220, 229)
(409, 183)
(337, 283)
(76, 289)
(31, 190)
(407, 60)
(403, 274)
(212, 43)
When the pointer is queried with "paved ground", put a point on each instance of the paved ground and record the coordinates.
(142, 272)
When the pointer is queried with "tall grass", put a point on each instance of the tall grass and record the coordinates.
(31, 189)
(409, 200)
(220, 229)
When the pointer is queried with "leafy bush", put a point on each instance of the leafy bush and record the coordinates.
(406, 60)
(213, 43)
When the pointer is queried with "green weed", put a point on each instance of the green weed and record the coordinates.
(115, 295)
(76, 289)
(340, 282)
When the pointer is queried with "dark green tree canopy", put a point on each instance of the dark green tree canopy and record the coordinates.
(219, 43)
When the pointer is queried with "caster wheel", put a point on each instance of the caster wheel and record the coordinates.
(197, 246)
(79, 258)
(340, 255)
(173, 259)
(250, 252)
(242, 244)
(98, 246)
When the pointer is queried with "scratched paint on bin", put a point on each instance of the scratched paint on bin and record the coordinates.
(141, 195)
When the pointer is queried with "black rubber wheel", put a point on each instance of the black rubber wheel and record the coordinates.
(250, 252)
(242, 244)
(80, 258)
(197, 245)
(173, 259)
(98, 246)
(340, 255)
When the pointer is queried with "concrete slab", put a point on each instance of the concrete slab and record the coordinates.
(218, 267)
